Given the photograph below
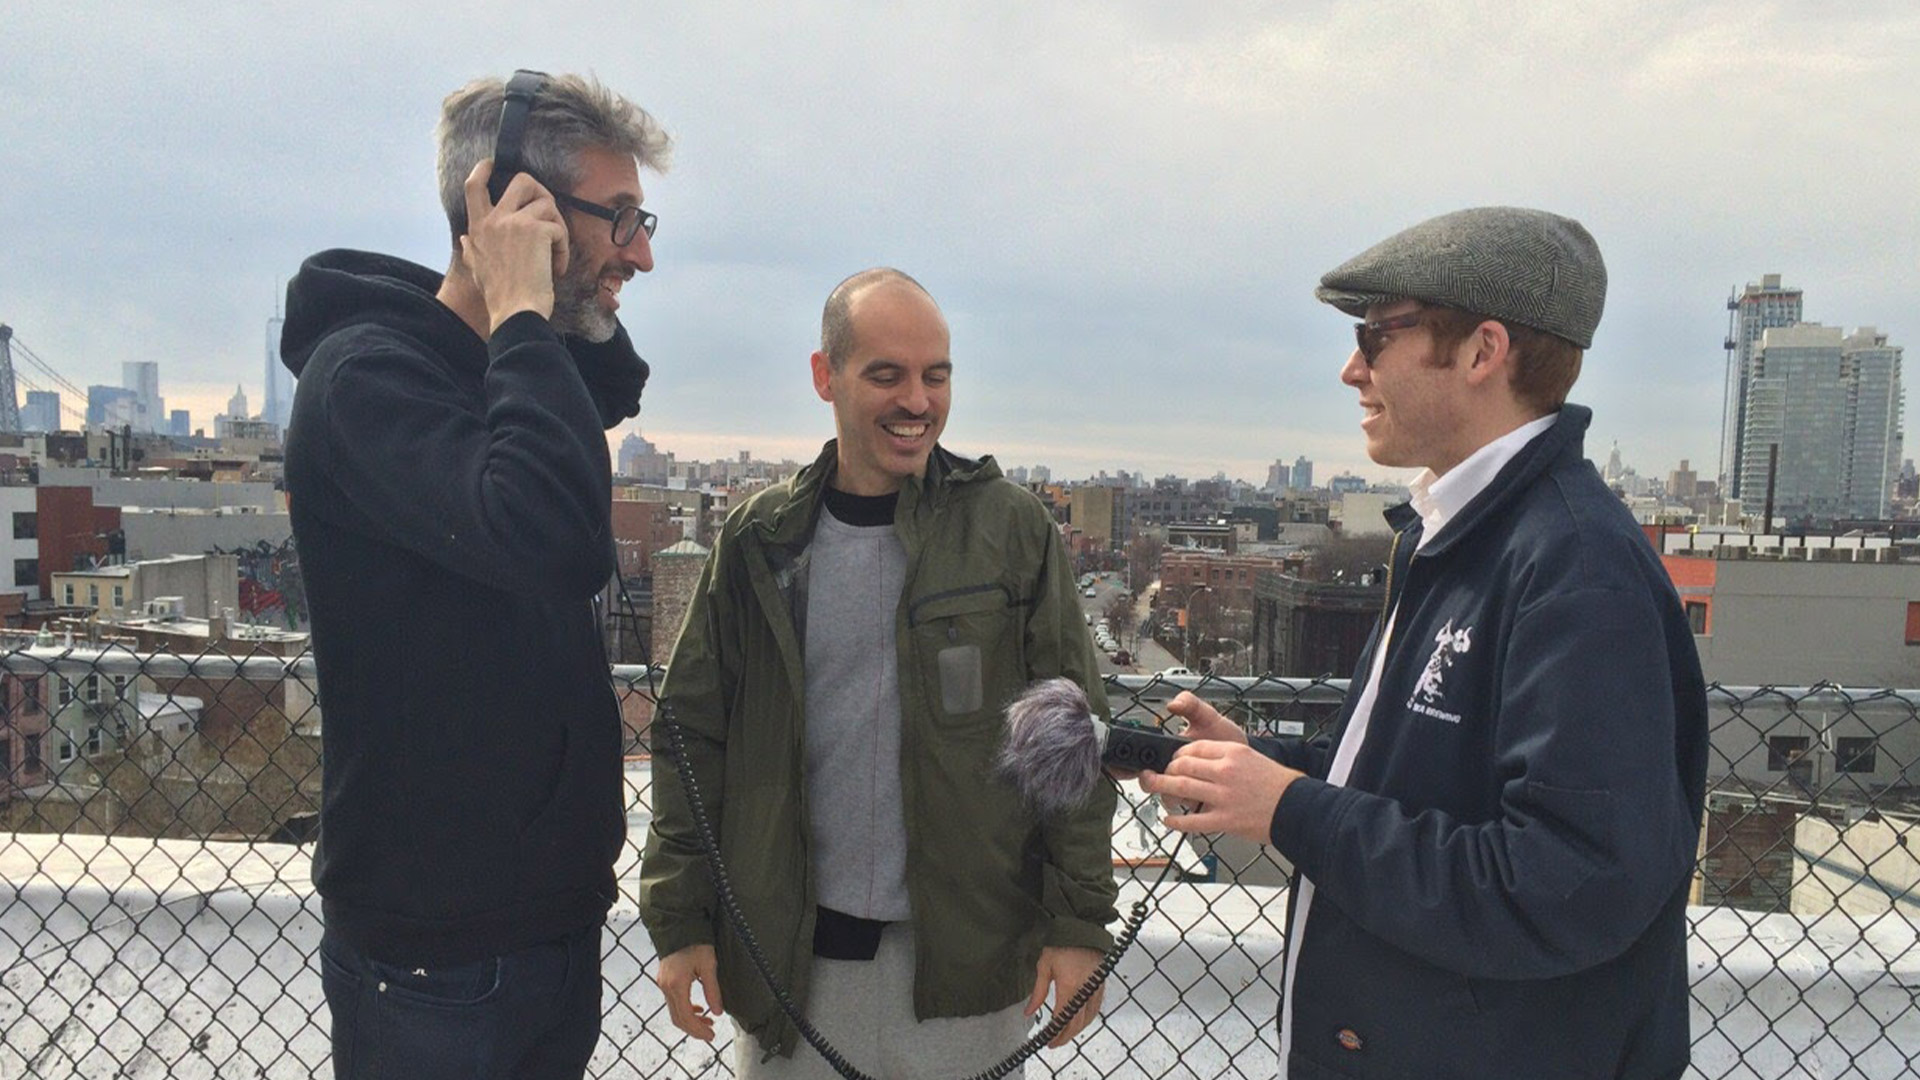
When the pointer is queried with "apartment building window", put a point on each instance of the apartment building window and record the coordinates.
(32, 763)
(67, 594)
(6, 756)
(89, 691)
(33, 693)
(26, 572)
(26, 525)
(93, 740)
(1784, 750)
(120, 684)
(119, 597)
(66, 749)
(1697, 616)
(93, 595)
(1856, 754)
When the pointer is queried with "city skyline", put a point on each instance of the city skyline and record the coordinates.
(213, 401)
(1123, 213)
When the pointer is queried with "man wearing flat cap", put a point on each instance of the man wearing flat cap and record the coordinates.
(1494, 848)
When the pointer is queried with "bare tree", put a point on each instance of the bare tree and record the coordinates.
(1120, 618)
(1143, 561)
(1206, 619)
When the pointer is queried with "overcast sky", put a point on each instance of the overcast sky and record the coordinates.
(1123, 206)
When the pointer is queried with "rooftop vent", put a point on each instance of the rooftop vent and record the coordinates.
(165, 608)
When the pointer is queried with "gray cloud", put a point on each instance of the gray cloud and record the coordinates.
(1123, 206)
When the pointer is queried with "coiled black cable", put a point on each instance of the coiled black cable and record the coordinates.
(723, 890)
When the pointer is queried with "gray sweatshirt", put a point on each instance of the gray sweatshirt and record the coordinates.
(859, 856)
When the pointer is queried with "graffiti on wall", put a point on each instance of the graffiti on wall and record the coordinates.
(270, 584)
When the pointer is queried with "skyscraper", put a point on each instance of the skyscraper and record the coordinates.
(142, 377)
(1302, 473)
(1279, 475)
(42, 411)
(633, 448)
(1683, 483)
(279, 406)
(109, 406)
(1831, 403)
(1751, 314)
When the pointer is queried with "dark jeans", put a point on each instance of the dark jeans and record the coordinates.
(534, 1013)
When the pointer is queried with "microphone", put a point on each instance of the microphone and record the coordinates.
(1055, 747)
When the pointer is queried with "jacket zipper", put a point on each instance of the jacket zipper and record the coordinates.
(1393, 558)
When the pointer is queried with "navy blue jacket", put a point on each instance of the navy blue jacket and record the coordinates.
(1501, 885)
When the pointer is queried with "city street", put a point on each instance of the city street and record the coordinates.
(1147, 655)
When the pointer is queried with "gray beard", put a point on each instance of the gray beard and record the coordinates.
(576, 306)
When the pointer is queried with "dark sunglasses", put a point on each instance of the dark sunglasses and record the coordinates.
(1367, 335)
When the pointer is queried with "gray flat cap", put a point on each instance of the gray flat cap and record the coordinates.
(1525, 266)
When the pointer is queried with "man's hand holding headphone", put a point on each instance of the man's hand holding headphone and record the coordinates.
(515, 248)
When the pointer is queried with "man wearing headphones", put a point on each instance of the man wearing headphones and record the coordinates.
(448, 477)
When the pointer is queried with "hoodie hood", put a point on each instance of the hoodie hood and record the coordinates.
(338, 289)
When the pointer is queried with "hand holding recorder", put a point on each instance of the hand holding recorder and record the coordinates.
(1232, 787)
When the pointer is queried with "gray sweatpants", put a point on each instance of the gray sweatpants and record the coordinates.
(865, 1009)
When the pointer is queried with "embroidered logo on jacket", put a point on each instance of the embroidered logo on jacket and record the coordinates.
(1447, 644)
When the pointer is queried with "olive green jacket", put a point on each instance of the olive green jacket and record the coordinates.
(989, 606)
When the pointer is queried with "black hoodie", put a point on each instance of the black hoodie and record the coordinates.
(451, 502)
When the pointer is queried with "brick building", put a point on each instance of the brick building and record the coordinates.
(1229, 577)
(24, 723)
(1307, 629)
(639, 530)
(229, 706)
(676, 573)
(74, 533)
(1217, 536)
(1100, 513)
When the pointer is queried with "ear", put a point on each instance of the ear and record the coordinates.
(1492, 353)
(822, 375)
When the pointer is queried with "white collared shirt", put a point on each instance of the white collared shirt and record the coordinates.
(1438, 500)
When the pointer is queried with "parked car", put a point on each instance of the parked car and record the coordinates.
(1122, 657)
(1176, 673)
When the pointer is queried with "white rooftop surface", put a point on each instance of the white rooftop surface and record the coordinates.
(144, 959)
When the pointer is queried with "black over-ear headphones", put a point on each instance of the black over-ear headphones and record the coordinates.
(510, 142)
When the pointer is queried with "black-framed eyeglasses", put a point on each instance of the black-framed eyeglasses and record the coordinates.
(1367, 335)
(628, 221)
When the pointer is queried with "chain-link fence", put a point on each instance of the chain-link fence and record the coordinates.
(157, 919)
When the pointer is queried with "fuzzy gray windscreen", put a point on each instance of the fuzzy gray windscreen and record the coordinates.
(1052, 750)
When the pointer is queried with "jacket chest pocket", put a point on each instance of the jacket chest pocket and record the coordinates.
(967, 643)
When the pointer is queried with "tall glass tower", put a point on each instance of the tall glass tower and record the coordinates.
(278, 409)
(1750, 314)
